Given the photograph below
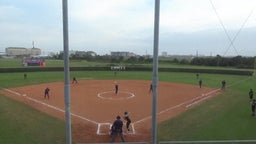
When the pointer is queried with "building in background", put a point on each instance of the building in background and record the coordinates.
(30, 56)
(22, 51)
(85, 53)
(123, 54)
(164, 54)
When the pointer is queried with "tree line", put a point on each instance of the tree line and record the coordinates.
(236, 61)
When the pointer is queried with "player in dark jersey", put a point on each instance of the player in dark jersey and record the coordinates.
(200, 83)
(117, 129)
(128, 120)
(253, 106)
(25, 76)
(116, 87)
(223, 85)
(151, 88)
(46, 93)
(251, 94)
(74, 80)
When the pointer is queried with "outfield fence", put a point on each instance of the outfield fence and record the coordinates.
(210, 142)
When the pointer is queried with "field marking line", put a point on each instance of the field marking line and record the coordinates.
(99, 126)
(130, 95)
(50, 106)
(63, 111)
(237, 82)
(133, 129)
(10, 91)
(191, 100)
(110, 125)
(208, 95)
(179, 105)
(139, 121)
(86, 78)
(196, 102)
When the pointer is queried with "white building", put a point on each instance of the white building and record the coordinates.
(22, 51)
(124, 54)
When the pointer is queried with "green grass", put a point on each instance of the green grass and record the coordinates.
(17, 62)
(21, 124)
(210, 80)
(226, 116)
(10, 62)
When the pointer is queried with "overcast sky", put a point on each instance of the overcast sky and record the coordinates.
(187, 27)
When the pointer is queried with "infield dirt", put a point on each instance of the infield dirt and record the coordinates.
(94, 105)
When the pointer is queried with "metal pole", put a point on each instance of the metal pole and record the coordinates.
(155, 73)
(66, 71)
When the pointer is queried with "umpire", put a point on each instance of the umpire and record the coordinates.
(117, 129)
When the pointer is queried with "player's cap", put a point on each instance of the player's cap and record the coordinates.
(118, 117)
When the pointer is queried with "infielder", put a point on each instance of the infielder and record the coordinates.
(116, 87)
(46, 93)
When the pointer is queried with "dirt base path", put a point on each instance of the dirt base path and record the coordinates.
(94, 105)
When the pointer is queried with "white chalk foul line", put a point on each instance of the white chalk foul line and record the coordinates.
(196, 99)
(110, 125)
(72, 114)
(13, 92)
(208, 95)
(50, 106)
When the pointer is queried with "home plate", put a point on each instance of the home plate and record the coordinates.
(24, 95)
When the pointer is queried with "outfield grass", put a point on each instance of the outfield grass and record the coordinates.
(209, 80)
(224, 117)
(17, 63)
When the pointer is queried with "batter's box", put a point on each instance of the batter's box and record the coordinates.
(104, 129)
(131, 130)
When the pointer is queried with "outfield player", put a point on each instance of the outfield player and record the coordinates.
(223, 85)
(25, 76)
(197, 76)
(46, 93)
(128, 120)
(251, 94)
(200, 83)
(253, 106)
